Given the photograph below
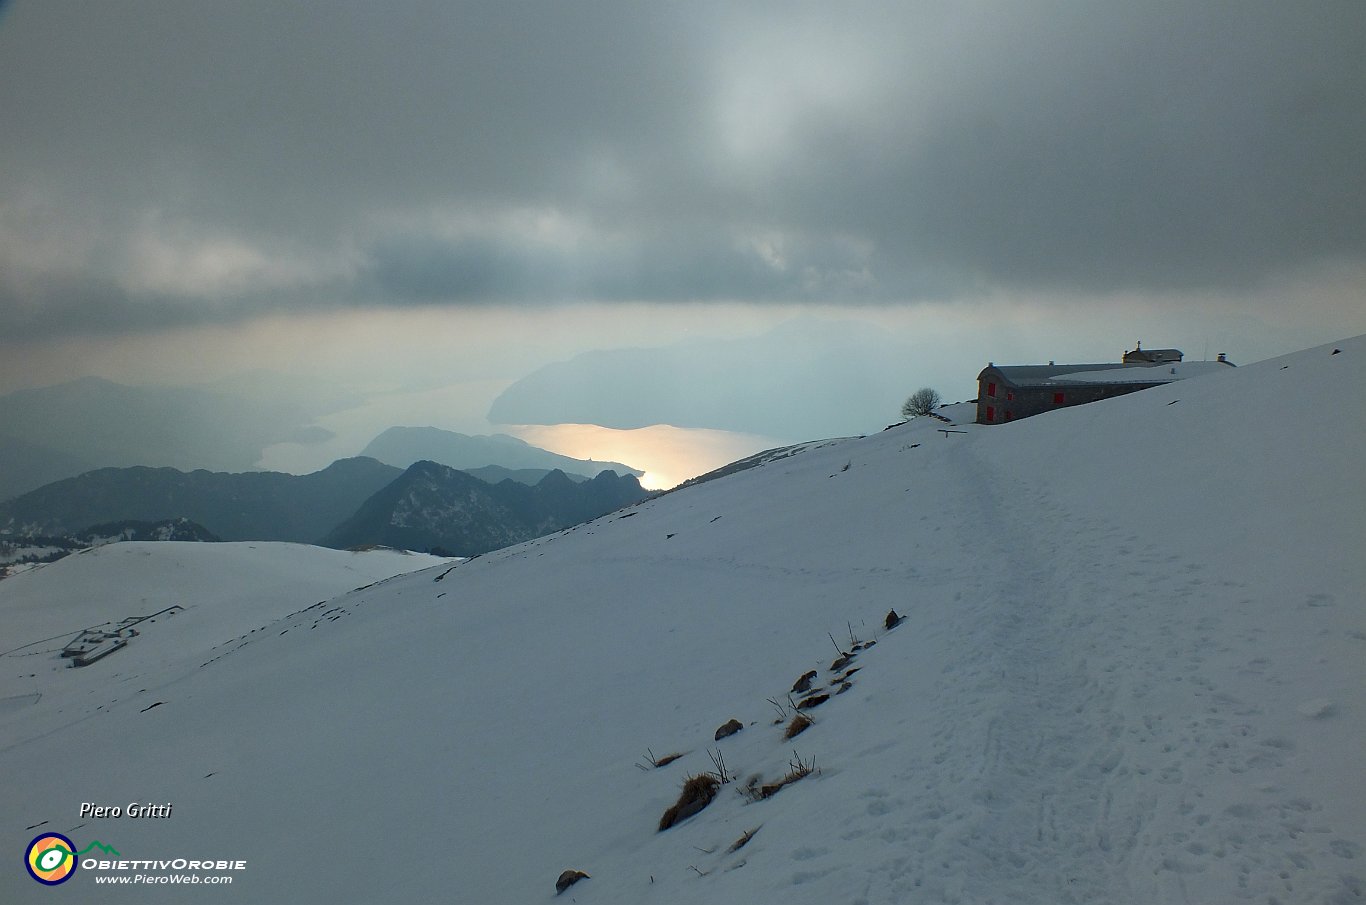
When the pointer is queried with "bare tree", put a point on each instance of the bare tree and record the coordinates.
(921, 402)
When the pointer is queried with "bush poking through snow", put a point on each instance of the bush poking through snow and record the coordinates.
(698, 792)
(814, 700)
(804, 683)
(783, 710)
(718, 760)
(892, 620)
(568, 879)
(797, 769)
(798, 725)
(658, 762)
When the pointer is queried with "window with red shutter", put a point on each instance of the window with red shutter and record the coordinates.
(991, 390)
(991, 413)
(1057, 398)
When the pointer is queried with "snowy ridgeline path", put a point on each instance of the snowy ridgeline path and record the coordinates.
(1027, 795)
(1092, 712)
(1100, 725)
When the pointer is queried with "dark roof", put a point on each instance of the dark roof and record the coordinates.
(1043, 375)
(1162, 356)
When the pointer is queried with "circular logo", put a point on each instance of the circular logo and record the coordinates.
(51, 859)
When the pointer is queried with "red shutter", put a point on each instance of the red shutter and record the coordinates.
(991, 390)
(1058, 398)
(991, 413)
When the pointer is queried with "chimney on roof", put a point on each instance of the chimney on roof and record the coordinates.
(1223, 356)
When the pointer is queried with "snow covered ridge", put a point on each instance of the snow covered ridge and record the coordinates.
(198, 597)
(1129, 671)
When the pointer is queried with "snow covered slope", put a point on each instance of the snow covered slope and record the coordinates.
(224, 591)
(1130, 671)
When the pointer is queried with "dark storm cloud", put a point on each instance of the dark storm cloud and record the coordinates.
(281, 155)
(675, 266)
(58, 305)
(1157, 146)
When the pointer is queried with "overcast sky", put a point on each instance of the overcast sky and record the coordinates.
(434, 199)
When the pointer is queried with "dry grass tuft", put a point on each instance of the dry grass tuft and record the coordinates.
(756, 790)
(798, 725)
(742, 841)
(799, 768)
(698, 792)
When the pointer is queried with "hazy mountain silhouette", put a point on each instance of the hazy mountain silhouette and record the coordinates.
(492, 474)
(402, 446)
(777, 385)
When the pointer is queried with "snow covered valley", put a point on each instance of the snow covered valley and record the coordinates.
(1129, 670)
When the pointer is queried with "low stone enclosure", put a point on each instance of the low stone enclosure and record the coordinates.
(102, 640)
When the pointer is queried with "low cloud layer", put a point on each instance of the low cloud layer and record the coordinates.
(168, 163)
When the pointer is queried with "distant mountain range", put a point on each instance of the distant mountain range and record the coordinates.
(261, 505)
(56, 432)
(94, 452)
(352, 502)
(434, 506)
(402, 446)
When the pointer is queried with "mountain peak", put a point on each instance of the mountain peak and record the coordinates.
(434, 506)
